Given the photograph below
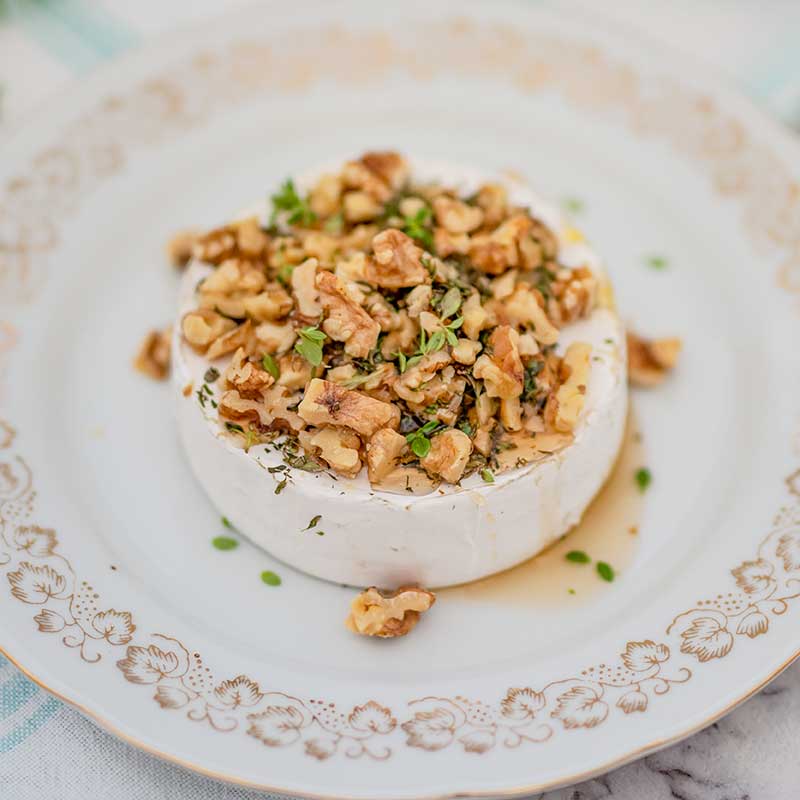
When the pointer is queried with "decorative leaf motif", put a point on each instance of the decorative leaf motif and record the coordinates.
(478, 741)
(706, 638)
(49, 621)
(39, 542)
(36, 584)
(116, 627)
(171, 696)
(276, 726)
(522, 704)
(580, 707)
(147, 664)
(754, 577)
(753, 624)
(320, 747)
(430, 730)
(635, 700)
(241, 691)
(788, 549)
(642, 656)
(372, 717)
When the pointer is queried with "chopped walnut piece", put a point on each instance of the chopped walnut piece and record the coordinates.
(180, 248)
(419, 300)
(246, 377)
(522, 308)
(455, 216)
(384, 449)
(215, 246)
(551, 442)
(271, 304)
(338, 447)
(466, 351)
(446, 243)
(154, 355)
(574, 293)
(502, 372)
(275, 337)
(324, 198)
(649, 360)
(570, 397)
(271, 410)
(398, 261)
(251, 241)
(201, 327)
(388, 615)
(304, 286)
(228, 342)
(327, 403)
(476, 317)
(492, 198)
(408, 384)
(503, 286)
(389, 166)
(360, 207)
(402, 338)
(321, 246)
(346, 321)
(294, 371)
(448, 456)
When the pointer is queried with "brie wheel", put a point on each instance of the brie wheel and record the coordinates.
(452, 535)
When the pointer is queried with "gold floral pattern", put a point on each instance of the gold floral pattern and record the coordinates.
(35, 205)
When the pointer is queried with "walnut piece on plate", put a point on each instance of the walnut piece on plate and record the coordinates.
(153, 358)
(651, 360)
(388, 615)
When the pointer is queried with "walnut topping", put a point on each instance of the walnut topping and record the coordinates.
(383, 452)
(327, 403)
(650, 360)
(338, 447)
(180, 248)
(379, 302)
(374, 613)
(346, 321)
(397, 263)
(154, 355)
(448, 456)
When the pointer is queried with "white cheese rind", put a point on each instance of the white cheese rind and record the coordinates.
(453, 535)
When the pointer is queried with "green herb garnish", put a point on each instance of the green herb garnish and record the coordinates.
(605, 571)
(270, 578)
(284, 274)
(334, 223)
(271, 365)
(451, 302)
(573, 205)
(570, 591)
(295, 207)
(656, 262)
(281, 486)
(487, 475)
(227, 523)
(314, 522)
(418, 440)
(643, 478)
(212, 373)
(417, 227)
(224, 543)
(309, 345)
(577, 557)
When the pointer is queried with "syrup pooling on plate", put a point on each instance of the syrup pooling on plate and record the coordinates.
(609, 532)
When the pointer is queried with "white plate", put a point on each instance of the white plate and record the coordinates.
(114, 598)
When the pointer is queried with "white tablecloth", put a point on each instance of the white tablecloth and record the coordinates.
(48, 750)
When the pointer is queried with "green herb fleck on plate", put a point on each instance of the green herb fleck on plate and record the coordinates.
(224, 543)
(212, 373)
(577, 557)
(643, 478)
(270, 578)
(314, 522)
(570, 591)
(605, 571)
(573, 205)
(656, 262)
(227, 523)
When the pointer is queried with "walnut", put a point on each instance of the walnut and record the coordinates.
(321, 246)
(323, 199)
(455, 216)
(251, 241)
(154, 355)
(494, 253)
(571, 394)
(360, 207)
(389, 166)
(234, 407)
(503, 286)
(274, 337)
(327, 403)
(411, 206)
(419, 300)
(466, 351)
(360, 238)
(377, 306)
(346, 321)
(384, 449)
(574, 293)
(502, 372)
(523, 309)
(271, 304)
(373, 613)
(402, 338)
(228, 342)
(551, 442)
(448, 456)
(304, 286)
(430, 323)
(476, 317)
(492, 198)
(216, 246)
(338, 447)
(352, 269)
(649, 360)
(180, 248)
(201, 327)
(407, 386)
(511, 414)
(294, 371)
(280, 404)
(446, 243)
(398, 261)
(246, 377)
(527, 345)
(229, 285)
